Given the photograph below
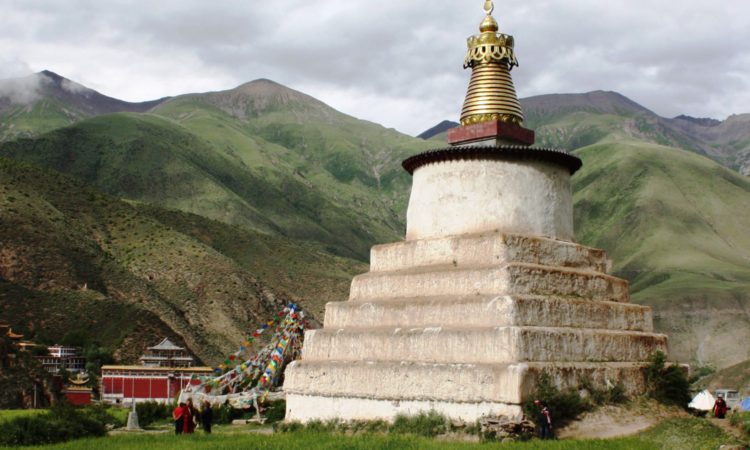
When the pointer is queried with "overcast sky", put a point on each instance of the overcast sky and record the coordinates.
(395, 62)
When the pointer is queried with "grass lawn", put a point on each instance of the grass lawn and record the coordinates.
(686, 433)
(8, 414)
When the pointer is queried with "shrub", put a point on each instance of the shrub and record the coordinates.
(288, 427)
(564, 406)
(225, 414)
(101, 413)
(61, 424)
(741, 420)
(368, 426)
(602, 396)
(275, 411)
(150, 412)
(428, 424)
(667, 384)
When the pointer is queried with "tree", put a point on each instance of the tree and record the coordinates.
(667, 384)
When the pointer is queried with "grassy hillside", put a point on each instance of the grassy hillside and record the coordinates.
(32, 119)
(572, 121)
(75, 259)
(677, 226)
(282, 132)
(576, 120)
(298, 169)
(733, 377)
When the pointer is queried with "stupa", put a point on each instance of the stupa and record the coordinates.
(489, 289)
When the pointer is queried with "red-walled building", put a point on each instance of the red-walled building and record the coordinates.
(123, 384)
(78, 395)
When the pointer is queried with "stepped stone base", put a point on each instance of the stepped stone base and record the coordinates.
(306, 408)
(465, 325)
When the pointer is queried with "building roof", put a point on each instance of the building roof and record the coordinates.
(166, 344)
(159, 369)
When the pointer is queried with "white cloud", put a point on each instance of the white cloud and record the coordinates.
(396, 63)
(18, 83)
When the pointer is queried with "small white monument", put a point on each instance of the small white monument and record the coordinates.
(489, 289)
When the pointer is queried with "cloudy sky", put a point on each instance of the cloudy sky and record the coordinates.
(395, 62)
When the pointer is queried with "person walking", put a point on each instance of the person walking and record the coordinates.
(207, 417)
(720, 407)
(544, 420)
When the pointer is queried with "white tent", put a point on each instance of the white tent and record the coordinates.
(704, 401)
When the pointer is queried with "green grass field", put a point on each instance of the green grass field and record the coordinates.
(682, 434)
(9, 414)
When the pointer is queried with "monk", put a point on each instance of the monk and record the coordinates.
(189, 413)
(179, 419)
(720, 407)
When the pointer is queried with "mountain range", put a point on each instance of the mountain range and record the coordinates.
(576, 120)
(198, 215)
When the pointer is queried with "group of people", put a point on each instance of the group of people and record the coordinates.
(186, 417)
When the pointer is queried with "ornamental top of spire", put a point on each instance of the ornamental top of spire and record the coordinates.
(489, 45)
(491, 95)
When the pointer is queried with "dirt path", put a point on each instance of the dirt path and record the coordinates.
(604, 425)
(729, 429)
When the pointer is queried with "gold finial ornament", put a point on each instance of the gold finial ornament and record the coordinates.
(489, 7)
(491, 94)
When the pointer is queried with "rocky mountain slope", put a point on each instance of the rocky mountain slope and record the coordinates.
(72, 258)
(575, 120)
(45, 101)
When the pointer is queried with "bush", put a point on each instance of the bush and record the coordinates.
(288, 427)
(101, 413)
(150, 412)
(61, 424)
(275, 411)
(741, 420)
(667, 384)
(225, 414)
(564, 406)
(428, 424)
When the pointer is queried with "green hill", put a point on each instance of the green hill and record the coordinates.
(75, 259)
(572, 121)
(294, 167)
(575, 120)
(676, 225)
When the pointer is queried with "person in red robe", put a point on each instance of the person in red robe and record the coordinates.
(179, 418)
(190, 413)
(720, 407)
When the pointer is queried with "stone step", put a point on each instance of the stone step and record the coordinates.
(481, 345)
(405, 380)
(307, 408)
(513, 278)
(488, 311)
(485, 249)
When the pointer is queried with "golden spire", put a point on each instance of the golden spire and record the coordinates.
(491, 95)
